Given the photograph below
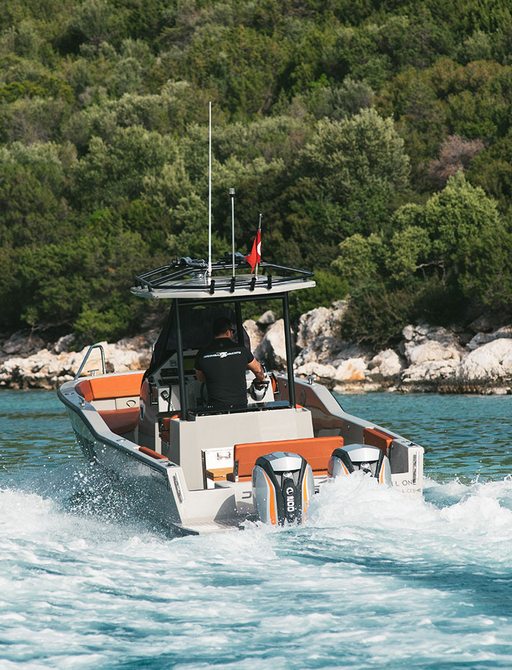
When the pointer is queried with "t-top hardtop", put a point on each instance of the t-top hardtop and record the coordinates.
(199, 293)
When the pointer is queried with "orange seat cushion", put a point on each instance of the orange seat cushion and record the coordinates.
(84, 389)
(120, 421)
(316, 450)
(112, 386)
(377, 438)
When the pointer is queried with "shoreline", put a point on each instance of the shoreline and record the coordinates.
(427, 360)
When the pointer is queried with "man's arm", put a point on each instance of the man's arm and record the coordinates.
(255, 367)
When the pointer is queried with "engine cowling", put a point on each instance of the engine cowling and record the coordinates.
(365, 457)
(282, 487)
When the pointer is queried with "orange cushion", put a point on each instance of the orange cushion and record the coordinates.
(102, 388)
(377, 438)
(120, 421)
(116, 386)
(316, 450)
(85, 390)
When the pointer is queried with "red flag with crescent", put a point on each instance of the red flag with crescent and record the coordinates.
(255, 256)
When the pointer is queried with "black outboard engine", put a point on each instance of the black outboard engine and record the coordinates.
(282, 487)
(365, 457)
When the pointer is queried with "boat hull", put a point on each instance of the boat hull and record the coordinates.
(166, 488)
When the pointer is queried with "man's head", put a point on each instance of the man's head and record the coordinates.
(222, 327)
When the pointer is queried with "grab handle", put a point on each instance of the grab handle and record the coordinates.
(86, 358)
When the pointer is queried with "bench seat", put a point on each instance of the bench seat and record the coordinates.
(316, 450)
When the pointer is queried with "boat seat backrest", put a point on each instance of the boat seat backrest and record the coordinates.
(377, 438)
(188, 439)
(121, 421)
(113, 386)
(316, 450)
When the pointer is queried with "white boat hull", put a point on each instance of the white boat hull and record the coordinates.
(171, 489)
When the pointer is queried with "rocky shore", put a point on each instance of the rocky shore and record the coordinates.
(427, 359)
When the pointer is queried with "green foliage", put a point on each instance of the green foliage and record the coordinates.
(338, 121)
(360, 260)
(98, 262)
(443, 259)
(363, 152)
(329, 288)
(470, 241)
(32, 187)
(408, 250)
(353, 172)
(376, 315)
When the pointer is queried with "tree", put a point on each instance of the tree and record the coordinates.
(360, 260)
(364, 149)
(113, 171)
(456, 153)
(470, 240)
(352, 173)
(33, 184)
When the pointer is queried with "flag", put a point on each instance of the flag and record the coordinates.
(255, 256)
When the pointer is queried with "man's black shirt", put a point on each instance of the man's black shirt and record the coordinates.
(223, 363)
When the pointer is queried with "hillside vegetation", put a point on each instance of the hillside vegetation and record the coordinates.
(374, 136)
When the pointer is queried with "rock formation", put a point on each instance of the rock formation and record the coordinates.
(427, 358)
(51, 366)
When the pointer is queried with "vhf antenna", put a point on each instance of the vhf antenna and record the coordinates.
(210, 189)
(232, 197)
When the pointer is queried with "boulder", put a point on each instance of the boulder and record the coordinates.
(429, 358)
(64, 344)
(254, 333)
(484, 323)
(483, 338)
(266, 319)
(320, 322)
(272, 349)
(385, 365)
(432, 353)
(318, 334)
(351, 370)
(48, 369)
(422, 333)
(431, 372)
(319, 371)
(21, 344)
(490, 363)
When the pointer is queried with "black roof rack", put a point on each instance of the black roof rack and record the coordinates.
(190, 275)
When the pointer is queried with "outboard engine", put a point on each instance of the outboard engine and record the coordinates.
(282, 487)
(365, 457)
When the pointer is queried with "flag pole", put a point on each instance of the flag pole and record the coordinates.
(232, 197)
(259, 231)
(210, 189)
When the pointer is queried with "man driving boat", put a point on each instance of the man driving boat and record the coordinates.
(222, 365)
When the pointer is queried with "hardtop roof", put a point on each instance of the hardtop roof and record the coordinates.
(188, 278)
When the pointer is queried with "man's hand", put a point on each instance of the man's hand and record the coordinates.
(255, 367)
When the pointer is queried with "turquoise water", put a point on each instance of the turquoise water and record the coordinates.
(375, 580)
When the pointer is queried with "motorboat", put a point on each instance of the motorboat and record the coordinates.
(195, 469)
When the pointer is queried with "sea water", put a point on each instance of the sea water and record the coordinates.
(376, 579)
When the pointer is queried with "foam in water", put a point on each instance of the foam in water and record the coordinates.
(371, 579)
(374, 579)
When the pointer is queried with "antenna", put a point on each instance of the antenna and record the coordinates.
(232, 197)
(210, 189)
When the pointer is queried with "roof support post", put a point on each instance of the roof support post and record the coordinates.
(289, 350)
(180, 361)
(239, 324)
